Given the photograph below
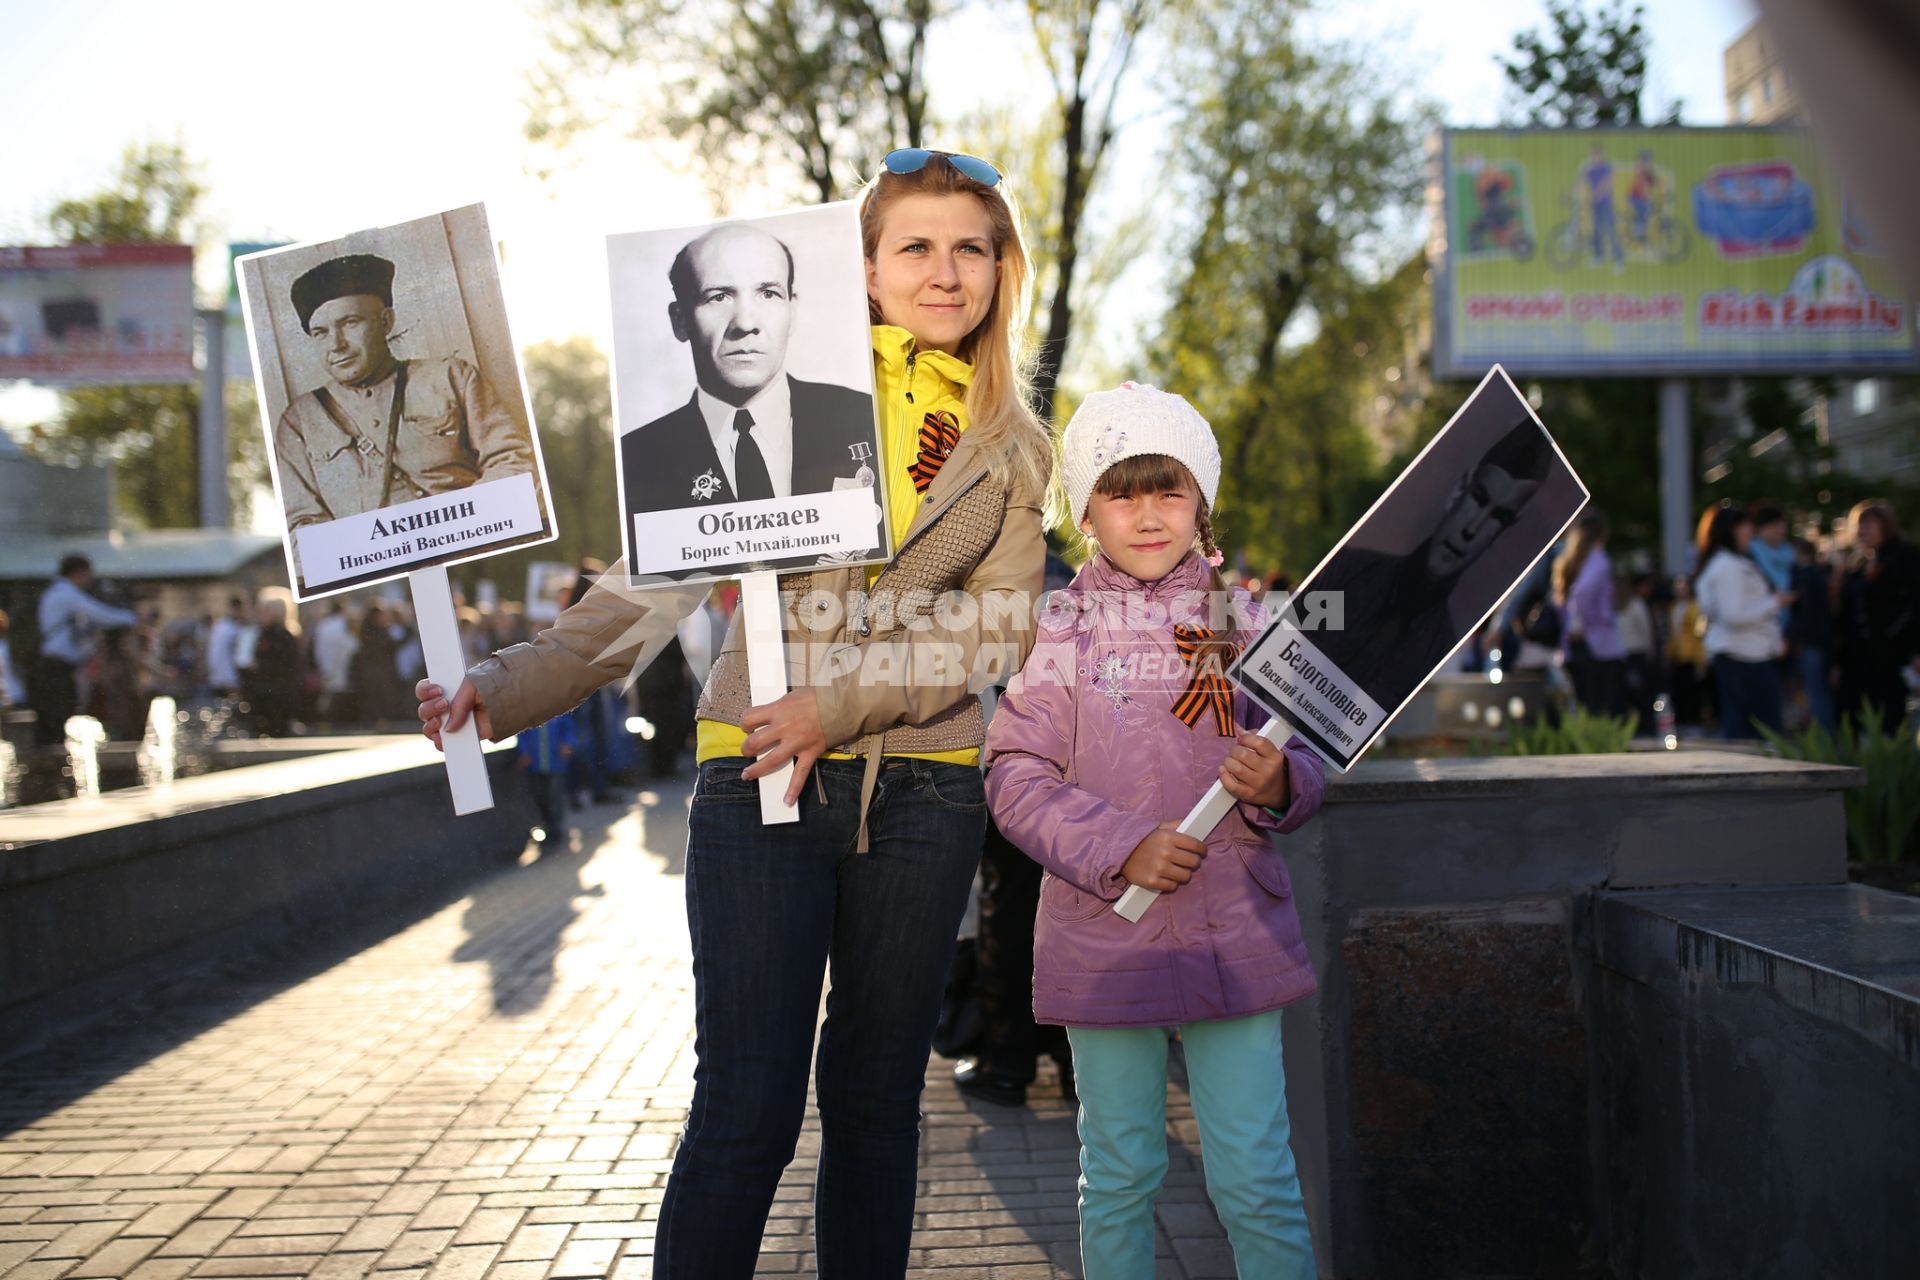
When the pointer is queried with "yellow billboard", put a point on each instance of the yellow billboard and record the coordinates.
(1638, 252)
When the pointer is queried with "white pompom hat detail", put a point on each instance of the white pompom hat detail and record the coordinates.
(1126, 422)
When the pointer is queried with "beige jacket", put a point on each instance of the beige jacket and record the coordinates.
(896, 669)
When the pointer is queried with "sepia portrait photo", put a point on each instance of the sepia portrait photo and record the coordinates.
(743, 397)
(395, 411)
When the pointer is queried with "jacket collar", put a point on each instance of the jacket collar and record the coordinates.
(1101, 574)
(892, 345)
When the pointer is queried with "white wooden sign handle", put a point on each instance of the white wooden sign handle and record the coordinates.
(447, 667)
(1199, 823)
(767, 679)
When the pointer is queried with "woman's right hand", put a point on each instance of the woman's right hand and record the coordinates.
(1786, 598)
(1165, 860)
(437, 712)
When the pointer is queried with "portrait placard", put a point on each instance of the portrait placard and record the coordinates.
(398, 426)
(1421, 571)
(743, 398)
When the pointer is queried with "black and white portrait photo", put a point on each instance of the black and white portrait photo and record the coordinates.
(391, 393)
(1420, 571)
(743, 396)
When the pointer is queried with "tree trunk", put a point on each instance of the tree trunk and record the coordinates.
(1053, 352)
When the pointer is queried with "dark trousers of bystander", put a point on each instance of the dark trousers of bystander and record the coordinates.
(1746, 693)
(55, 695)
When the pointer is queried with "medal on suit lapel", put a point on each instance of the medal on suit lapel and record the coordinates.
(706, 485)
(862, 452)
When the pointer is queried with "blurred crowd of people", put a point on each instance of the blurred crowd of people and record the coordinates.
(1783, 623)
(344, 665)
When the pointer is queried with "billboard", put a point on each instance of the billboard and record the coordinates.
(238, 365)
(97, 313)
(1639, 252)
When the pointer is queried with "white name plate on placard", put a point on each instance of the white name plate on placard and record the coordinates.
(1285, 669)
(425, 530)
(769, 529)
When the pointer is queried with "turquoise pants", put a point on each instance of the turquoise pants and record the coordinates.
(1240, 1101)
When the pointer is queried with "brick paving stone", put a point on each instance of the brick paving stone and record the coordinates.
(464, 1262)
(163, 1220)
(115, 1260)
(584, 1259)
(415, 1249)
(240, 1204)
(495, 1090)
(80, 1240)
(201, 1238)
(530, 1244)
(161, 1269)
(377, 1232)
(47, 1270)
(257, 1268)
(344, 1266)
(446, 1211)
(517, 1271)
(271, 1246)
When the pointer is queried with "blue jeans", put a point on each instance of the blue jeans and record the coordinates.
(1745, 692)
(770, 909)
(1240, 1102)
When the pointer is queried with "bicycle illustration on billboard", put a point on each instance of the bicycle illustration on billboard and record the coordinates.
(1494, 192)
(1590, 234)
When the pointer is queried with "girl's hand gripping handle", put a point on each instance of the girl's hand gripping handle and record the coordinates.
(1199, 823)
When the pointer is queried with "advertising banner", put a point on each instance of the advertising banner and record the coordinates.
(1643, 252)
(97, 313)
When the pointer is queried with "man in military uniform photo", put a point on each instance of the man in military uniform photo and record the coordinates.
(383, 431)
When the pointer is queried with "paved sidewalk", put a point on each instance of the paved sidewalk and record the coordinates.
(494, 1091)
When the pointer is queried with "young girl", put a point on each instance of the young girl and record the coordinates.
(1120, 721)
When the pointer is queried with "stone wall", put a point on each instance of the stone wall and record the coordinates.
(1440, 1082)
(100, 897)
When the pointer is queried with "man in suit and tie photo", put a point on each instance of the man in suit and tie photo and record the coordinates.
(750, 430)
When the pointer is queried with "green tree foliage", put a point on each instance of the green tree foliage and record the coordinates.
(149, 433)
(1292, 162)
(154, 201)
(1585, 70)
(819, 89)
(1590, 70)
(573, 407)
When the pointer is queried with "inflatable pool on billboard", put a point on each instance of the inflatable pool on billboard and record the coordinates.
(1752, 210)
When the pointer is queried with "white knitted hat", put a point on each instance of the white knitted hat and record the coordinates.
(1126, 422)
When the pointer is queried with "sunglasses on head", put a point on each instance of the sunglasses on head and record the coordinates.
(914, 159)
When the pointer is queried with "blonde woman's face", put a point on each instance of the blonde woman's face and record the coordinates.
(933, 271)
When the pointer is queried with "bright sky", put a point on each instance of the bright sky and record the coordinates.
(313, 121)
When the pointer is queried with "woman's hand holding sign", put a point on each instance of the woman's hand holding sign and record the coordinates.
(437, 711)
(788, 729)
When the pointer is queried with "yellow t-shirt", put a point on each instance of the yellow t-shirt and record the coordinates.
(908, 386)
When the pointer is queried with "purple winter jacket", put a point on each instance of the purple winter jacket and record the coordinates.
(1085, 758)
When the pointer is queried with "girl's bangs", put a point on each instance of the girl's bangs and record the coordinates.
(1144, 473)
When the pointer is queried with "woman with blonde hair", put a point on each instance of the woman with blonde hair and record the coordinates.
(884, 735)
